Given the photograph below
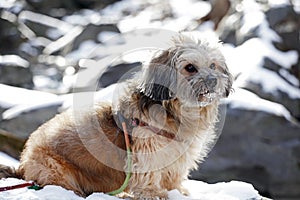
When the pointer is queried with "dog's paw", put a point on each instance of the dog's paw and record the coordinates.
(184, 191)
(148, 194)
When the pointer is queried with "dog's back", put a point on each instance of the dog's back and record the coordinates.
(56, 153)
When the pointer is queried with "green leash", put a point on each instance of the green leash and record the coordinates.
(129, 162)
(128, 175)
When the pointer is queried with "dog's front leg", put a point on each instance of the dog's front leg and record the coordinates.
(147, 186)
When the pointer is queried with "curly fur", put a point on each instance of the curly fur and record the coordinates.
(84, 150)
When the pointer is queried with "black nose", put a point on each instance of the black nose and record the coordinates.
(211, 81)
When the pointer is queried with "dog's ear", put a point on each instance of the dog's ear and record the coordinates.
(160, 77)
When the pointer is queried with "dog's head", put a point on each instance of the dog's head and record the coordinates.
(191, 70)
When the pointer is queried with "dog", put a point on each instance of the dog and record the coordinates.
(170, 109)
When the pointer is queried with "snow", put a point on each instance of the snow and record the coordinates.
(253, 16)
(245, 99)
(290, 78)
(7, 160)
(247, 59)
(234, 190)
(29, 97)
(15, 60)
(190, 8)
(279, 3)
(83, 51)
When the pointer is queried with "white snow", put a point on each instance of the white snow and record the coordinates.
(246, 61)
(14, 59)
(279, 3)
(84, 50)
(30, 99)
(189, 8)
(11, 96)
(292, 79)
(245, 99)
(234, 190)
(253, 16)
(7, 160)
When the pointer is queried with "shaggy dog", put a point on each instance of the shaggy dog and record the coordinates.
(170, 109)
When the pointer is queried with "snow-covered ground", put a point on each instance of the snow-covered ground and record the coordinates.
(233, 190)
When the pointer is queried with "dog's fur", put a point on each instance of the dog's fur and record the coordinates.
(85, 151)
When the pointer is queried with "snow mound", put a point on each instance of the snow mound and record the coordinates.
(234, 190)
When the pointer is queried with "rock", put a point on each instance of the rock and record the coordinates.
(266, 156)
(24, 110)
(15, 71)
(10, 144)
(295, 69)
(91, 32)
(114, 73)
(23, 124)
(58, 8)
(282, 97)
(230, 30)
(286, 22)
(10, 37)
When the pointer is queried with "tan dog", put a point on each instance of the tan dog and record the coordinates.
(173, 107)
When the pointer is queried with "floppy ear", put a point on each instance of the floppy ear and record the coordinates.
(160, 77)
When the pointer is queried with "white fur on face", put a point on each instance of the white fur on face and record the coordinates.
(167, 77)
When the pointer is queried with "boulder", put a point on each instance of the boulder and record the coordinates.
(59, 8)
(114, 73)
(91, 32)
(15, 71)
(10, 144)
(260, 148)
(282, 97)
(25, 122)
(286, 22)
(10, 37)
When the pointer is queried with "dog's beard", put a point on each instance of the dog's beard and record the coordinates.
(196, 92)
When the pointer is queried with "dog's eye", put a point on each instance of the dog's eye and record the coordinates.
(191, 68)
(212, 66)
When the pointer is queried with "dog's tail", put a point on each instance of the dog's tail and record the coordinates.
(8, 172)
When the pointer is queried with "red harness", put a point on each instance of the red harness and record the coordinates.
(136, 122)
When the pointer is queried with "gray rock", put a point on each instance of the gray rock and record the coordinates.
(23, 124)
(57, 7)
(15, 71)
(114, 73)
(286, 22)
(293, 105)
(268, 156)
(91, 32)
(10, 37)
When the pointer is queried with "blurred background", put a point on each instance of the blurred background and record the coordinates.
(43, 43)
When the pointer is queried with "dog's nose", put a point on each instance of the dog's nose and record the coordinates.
(211, 81)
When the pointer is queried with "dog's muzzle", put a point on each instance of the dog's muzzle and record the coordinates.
(204, 89)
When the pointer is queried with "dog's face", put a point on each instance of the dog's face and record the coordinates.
(191, 70)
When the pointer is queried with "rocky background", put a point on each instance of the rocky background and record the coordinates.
(42, 44)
